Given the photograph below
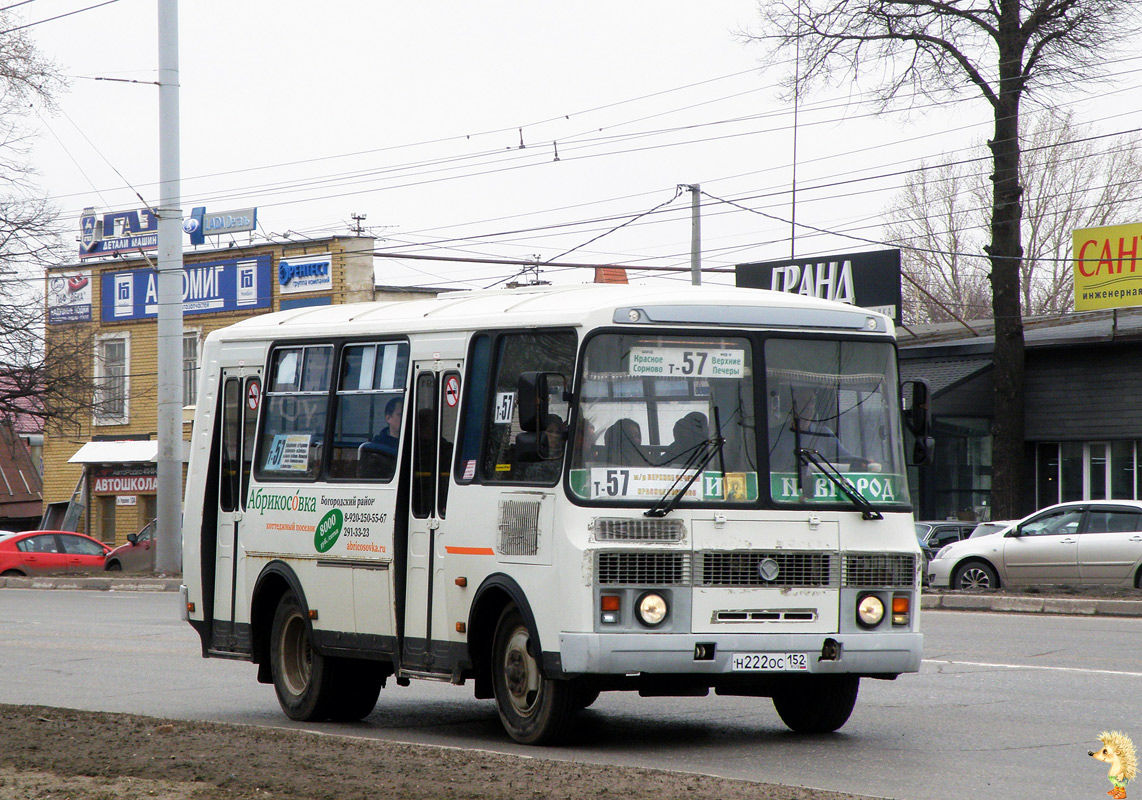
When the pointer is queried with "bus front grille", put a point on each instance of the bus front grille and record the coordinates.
(748, 568)
(618, 529)
(642, 569)
(889, 570)
(758, 569)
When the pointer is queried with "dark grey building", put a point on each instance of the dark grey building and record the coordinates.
(1083, 423)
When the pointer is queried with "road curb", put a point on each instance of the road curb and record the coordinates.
(1022, 604)
(103, 584)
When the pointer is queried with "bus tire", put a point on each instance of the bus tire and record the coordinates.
(532, 708)
(301, 674)
(817, 703)
(586, 695)
(356, 687)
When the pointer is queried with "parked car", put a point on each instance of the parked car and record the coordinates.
(988, 528)
(931, 536)
(32, 553)
(138, 555)
(1088, 542)
(934, 535)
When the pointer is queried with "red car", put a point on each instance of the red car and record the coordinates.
(33, 553)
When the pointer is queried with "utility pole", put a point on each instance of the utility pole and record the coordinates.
(168, 539)
(695, 234)
(357, 220)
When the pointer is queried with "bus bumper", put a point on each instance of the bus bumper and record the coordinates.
(880, 654)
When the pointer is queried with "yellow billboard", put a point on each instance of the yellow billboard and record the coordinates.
(1107, 267)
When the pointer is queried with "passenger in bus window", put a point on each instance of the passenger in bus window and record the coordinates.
(388, 439)
(808, 425)
(555, 428)
(690, 433)
(623, 444)
(378, 456)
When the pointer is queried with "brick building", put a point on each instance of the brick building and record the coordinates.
(99, 477)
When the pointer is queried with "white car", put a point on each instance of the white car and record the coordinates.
(1094, 542)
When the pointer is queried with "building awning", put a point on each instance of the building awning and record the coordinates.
(943, 374)
(129, 452)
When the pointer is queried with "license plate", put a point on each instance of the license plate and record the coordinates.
(769, 662)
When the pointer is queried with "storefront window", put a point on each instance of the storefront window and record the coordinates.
(1122, 470)
(1068, 471)
(1071, 471)
(1097, 471)
(1047, 490)
(961, 474)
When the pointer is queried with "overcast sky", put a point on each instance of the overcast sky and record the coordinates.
(413, 114)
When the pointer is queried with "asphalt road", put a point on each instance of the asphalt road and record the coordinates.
(1005, 705)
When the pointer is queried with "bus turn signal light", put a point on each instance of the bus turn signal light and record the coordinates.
(900, 609)
(610, 605)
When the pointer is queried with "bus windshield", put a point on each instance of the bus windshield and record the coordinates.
(655, 410)
(831, 409)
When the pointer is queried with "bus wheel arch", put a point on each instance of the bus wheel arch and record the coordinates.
(276, 580)
(496, 593)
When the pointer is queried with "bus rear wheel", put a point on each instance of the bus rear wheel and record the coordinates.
(356, 687)
(533, 709)
(301, 674)
(817, 703)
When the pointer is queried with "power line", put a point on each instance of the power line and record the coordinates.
(58, 16)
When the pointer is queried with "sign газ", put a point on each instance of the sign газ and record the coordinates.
(200, 224)
(870, 280)
(231, 285)
(1107, 269)
(122, 231)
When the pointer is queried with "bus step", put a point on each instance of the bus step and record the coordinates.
(424, 675)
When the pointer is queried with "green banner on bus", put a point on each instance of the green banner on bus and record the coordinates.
(876, 487)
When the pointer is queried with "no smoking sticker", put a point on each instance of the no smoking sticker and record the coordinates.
(253, 395)
(452, 391)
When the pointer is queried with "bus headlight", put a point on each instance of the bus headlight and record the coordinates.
(870, 611)
(651, 609)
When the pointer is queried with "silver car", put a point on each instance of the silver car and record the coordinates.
(1088, 542)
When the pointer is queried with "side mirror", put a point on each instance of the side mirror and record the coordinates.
(132, 538)
(543, 407)
(536, 391)
(923, 452)
(916, 398)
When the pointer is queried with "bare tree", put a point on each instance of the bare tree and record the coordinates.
(940, 218)
(1001, 49)
(936, 220)
(34, 379)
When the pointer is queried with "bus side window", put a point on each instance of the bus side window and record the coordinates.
(475, 408)
(370, 410)
(516, 353)
(231, 419)
(297, 404)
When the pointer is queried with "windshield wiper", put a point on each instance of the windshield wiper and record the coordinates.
(830, 471)
(713, 447)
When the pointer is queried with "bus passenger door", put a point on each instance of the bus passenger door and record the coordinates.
(241, 397)
(436, 393)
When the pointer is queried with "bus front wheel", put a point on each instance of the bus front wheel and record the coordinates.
(300, 673)
(533, 709)
(817, 703)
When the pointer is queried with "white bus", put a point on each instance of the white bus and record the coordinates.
(557, 491)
